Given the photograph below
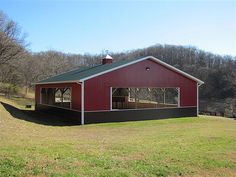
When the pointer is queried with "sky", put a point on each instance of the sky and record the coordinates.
(117, 26)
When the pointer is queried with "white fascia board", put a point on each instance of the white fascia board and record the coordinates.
(115, 68)
(177, 70)
(145, 58)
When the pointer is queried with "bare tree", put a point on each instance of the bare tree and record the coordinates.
(12, 41)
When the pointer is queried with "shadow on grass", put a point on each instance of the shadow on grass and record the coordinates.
(44, 117)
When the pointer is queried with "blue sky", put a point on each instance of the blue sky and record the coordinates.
(95, 26)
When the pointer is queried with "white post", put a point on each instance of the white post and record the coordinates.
(110, 98)
(164, 95)
(82, 103)
(197, 99)
(178, 97)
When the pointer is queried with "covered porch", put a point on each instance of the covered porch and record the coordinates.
(58, 97)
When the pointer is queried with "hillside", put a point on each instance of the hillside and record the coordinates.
(202, 146)
(218, 72)
(20, 68)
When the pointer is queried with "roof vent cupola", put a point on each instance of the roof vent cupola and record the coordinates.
(107, 60)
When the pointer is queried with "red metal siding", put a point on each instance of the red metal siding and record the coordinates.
(97, 89)
(76, 92)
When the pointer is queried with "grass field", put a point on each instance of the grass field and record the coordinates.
(204, 146)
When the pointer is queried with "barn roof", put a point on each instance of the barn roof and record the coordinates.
(85, 73)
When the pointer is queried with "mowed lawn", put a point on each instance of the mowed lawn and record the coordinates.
(204, 146)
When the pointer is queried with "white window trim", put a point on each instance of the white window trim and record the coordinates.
(178, 104)
(141, 109)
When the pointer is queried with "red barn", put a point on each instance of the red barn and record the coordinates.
(139, 89)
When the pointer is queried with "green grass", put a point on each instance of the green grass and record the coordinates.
(204, 146)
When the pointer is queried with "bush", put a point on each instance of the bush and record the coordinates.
(8, 89)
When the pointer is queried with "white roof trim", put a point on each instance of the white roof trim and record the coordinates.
(145, 58)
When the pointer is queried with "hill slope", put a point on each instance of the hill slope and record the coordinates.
(186, 146)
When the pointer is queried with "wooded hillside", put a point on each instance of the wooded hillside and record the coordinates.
(20, 67)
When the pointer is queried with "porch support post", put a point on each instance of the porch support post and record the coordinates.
(46, 91)
(82, 103)
(111, 93)
(164, 95)
(179, 97)
(135, 97)
(197, 99)
(61, 90)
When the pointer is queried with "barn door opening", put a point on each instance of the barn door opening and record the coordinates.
(141, 98)
(59, 97)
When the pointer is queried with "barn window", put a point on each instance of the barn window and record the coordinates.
(141, 98)
(60, 97)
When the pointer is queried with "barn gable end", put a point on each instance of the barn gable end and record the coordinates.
(135, 75)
